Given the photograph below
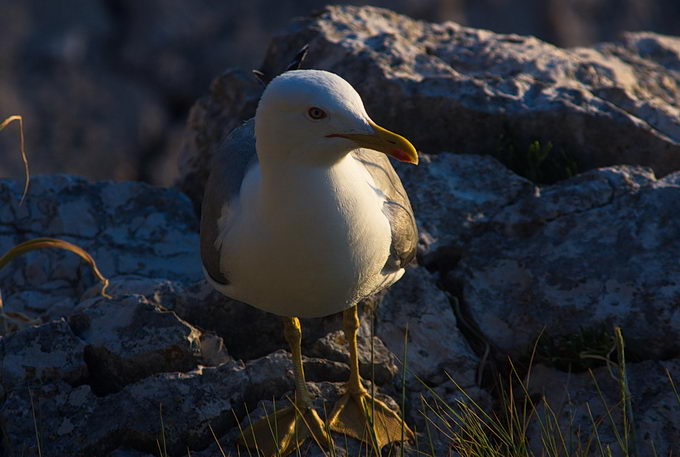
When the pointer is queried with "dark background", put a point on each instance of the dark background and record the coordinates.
(105, 85)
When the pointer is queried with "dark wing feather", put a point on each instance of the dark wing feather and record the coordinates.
(397, 208)
(233, 158)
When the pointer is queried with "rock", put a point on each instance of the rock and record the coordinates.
(380, 367)
(41, 354)
(656, 411)
(599, 249)
(128, 228)
(64, 422)
(248, 332)
(454, 196)
(233, 98)
(435, 345)
(73, 421)
(473, 91)
(124, 452)
(130, 339)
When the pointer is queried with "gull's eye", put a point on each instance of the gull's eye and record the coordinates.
(316, 113)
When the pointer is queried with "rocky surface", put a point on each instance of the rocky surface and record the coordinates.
(486, 93)
(575, 403)
(501, 260)
(129, 228)
(104, 85)
(597, 249)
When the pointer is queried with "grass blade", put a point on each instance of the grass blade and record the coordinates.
(41, 243)
(22, 148)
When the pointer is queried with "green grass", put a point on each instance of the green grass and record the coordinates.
(525, 425)
(591, 347)
(538, 162)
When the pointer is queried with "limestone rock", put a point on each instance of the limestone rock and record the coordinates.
(435, 345)
(42, 354)
(130, 339)
(128, 228)
(465, 90)
(455, 196)
(656, 411)
(600, 248)
(74, 421)
(380, 366)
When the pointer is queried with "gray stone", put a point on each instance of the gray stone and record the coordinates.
(63, 424)
(128, 228)
(465, 90)
(600, 248)
(435, 345)
(570, 396)
(248, 332)
(129, 339)
(41, 354)
(379, 366)
(454, 196)
(125, 452)
(233, 99)
(73, 421)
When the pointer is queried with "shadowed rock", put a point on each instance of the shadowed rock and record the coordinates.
(600, 248)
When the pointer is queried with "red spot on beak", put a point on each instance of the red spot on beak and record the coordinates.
(400, 155)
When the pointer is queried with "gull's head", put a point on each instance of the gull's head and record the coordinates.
(317, 117)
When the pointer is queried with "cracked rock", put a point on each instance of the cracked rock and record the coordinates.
(454, 196)
(75, 422)
(656, 411)
(435, 345)
(334, 347)
(127, 227)
(600, 248)
(42, 354)
(466, 90)
(130, 339)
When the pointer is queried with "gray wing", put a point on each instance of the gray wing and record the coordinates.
(397, 208)
(233, 158)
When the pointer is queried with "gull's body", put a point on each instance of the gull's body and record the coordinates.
(300, 218)
(297, 251)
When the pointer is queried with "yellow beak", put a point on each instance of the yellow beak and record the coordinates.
(384, 141)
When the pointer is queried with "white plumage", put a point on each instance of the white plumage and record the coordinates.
(303, 216)
(306, 235)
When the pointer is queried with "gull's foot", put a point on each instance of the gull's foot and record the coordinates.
(283, 431)
(361, 416)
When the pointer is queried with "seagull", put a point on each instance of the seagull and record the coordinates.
(304, 216)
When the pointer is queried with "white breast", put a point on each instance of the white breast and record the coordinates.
(311, 243)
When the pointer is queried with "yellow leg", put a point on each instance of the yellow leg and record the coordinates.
(285, 430)
(357, 413)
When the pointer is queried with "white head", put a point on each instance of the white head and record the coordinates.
(316, 117)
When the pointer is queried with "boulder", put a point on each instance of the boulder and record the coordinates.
(175, 407)
(130, 339)
(455, 196)
(127, 227)
(569, 403)
(454, 88)
(435, 346)
(598, 249)
(42, 354)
